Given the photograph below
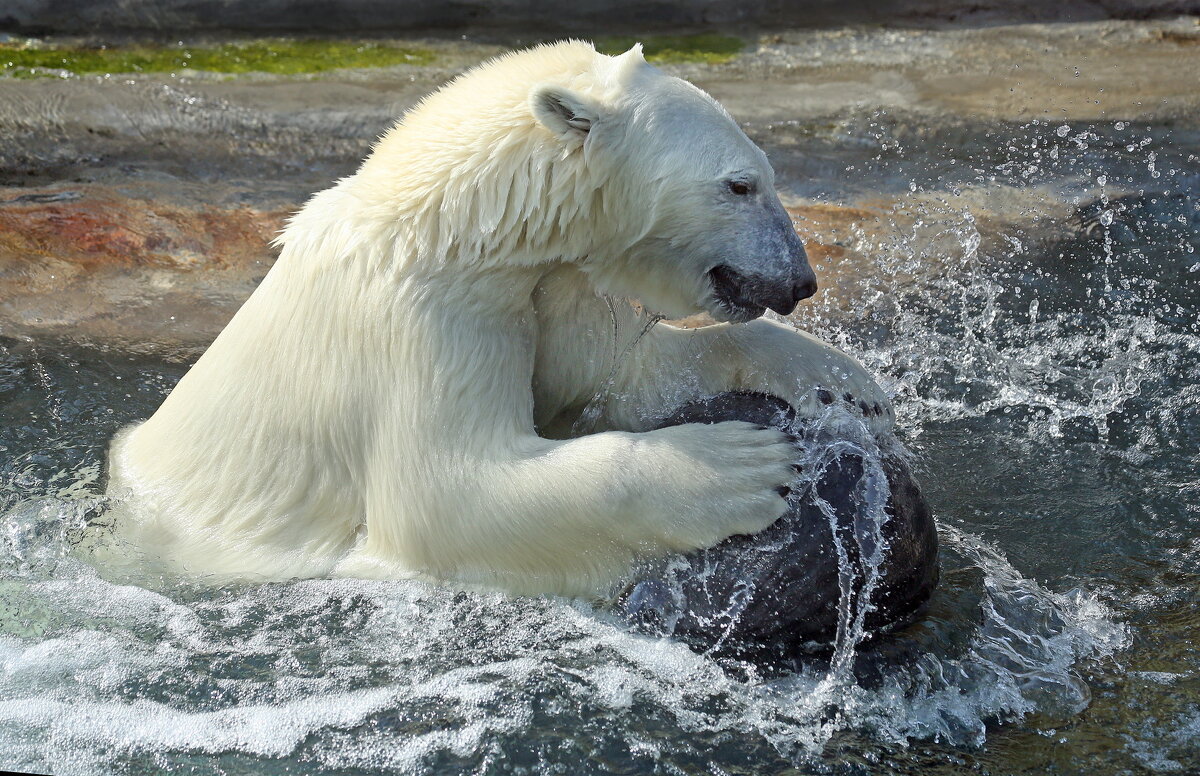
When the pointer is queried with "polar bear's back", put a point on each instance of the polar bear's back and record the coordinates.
(500, 81)
(484, 104)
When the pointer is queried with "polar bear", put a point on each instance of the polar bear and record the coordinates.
(397, 397)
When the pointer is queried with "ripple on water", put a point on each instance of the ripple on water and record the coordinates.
(402, 676)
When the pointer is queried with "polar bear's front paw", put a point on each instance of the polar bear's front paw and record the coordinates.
(723, 479)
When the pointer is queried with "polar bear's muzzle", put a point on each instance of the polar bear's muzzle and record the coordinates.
(745, 296)
(771, 272)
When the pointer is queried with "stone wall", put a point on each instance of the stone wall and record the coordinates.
(539, 16)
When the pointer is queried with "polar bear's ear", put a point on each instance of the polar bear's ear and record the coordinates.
(563, 112)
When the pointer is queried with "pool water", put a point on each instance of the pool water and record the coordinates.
(1046, 375)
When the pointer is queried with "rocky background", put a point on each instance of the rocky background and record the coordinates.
(141, 182)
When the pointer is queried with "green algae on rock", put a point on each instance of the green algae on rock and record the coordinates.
(711, 49)
(263, 55)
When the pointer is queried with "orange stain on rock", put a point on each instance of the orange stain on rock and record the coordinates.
(94, 264)
(101, 228)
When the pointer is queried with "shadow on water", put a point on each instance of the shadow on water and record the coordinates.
(1043, 359)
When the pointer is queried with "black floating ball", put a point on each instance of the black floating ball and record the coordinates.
(782, 590)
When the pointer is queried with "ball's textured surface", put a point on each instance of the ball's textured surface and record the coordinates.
(783, 588)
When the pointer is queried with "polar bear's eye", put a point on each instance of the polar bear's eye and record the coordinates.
(741, 188)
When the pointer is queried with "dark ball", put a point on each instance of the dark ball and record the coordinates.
(846, 542)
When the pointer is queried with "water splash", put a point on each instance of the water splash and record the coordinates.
(594, 409)
(871, 546)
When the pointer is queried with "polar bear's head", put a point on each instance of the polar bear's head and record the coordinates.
(559, 153)
(695, 196)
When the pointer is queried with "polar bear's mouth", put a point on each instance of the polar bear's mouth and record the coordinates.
(735, 295)
(730, 312)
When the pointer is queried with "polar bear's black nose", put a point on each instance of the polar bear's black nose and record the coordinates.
(784, 298)
(804, 289)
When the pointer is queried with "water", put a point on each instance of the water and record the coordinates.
(1037, 326)
(594, 409)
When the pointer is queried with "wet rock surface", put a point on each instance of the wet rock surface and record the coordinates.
(125, 265)
(137, 208)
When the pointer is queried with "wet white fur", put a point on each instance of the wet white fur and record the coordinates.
(372, 410)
